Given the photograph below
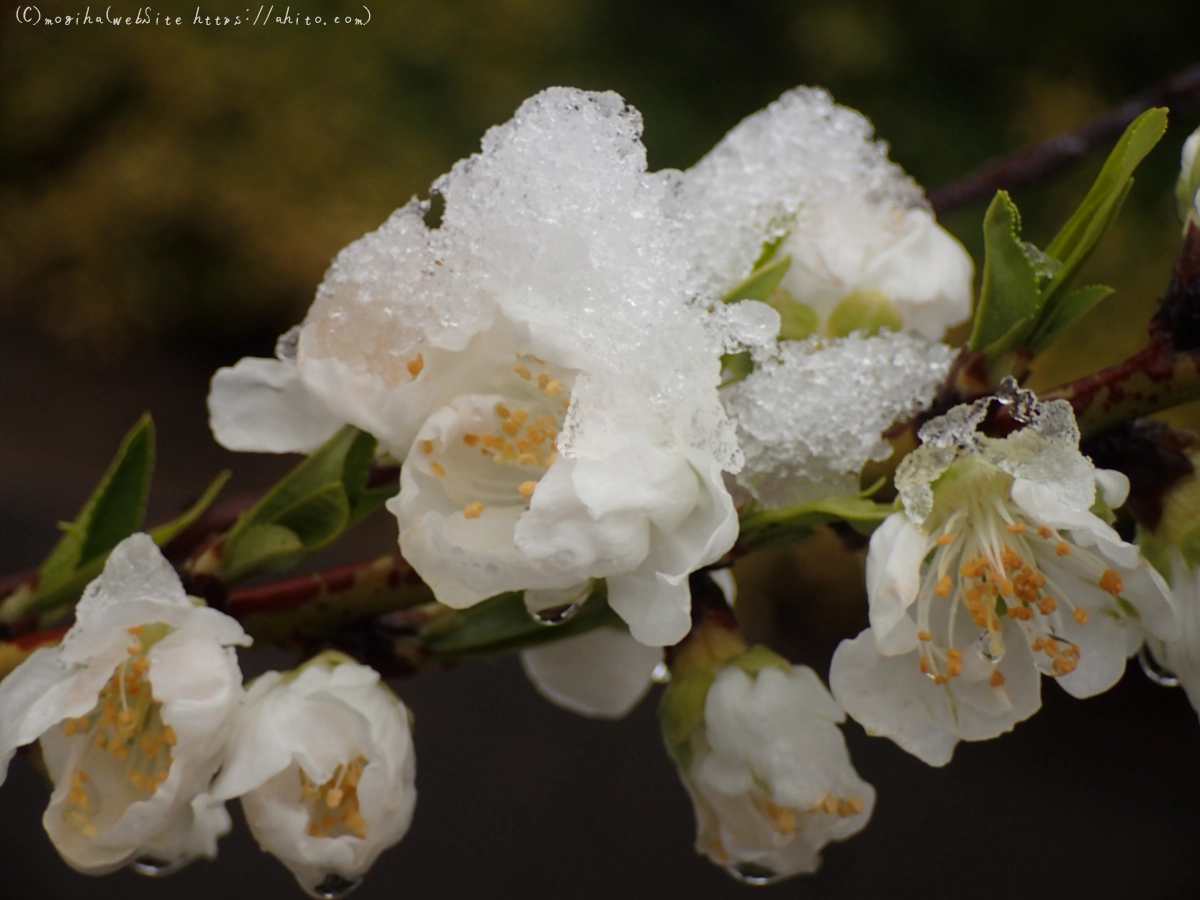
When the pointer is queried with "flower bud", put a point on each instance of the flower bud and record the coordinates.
(760, 753)
(323, 762)
(132, 711)
(1187, 188)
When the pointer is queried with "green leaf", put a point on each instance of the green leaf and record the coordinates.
(761, 282)
(164, 534)
(1009, 297)
(681, 713)
(796, 320)
(1080, 235)
(318, 518)
(763, 528)
(1066, 313)
(356, 467)
(113, 512)
(261, 548)
(501, 625)
(738, 365)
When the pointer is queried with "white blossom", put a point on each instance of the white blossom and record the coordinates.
(1187, 188)
(132, 710)
(1181, 655)
(323, 762)
(537, 363)
(858, 230)
(996, 572)
(769, 774)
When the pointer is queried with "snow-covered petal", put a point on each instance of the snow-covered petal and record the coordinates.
(603, 673)
(261, 405)
(132, 711)
(324, 766)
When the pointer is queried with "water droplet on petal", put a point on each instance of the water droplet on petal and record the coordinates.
(990, 647)
(287, 345)
(661, 674)
(556, 615)
(333, 887)
(153, 868)
(750, 873)
(1155, 671)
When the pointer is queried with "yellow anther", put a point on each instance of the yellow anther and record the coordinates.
(925, 665)
(1081, 616)
(829, 804)
(426, 447)
(954, 668)
(1063, 665)
(502, 411)
(997, 679)
(135, 630)
(470, 439)
(333, 797)
(940, 679)
(945, 540)
(1005, 586)
(1011, 560)
(473, 510)
(1111, 582)
(125, 717)
(855, 805)
(1062, 548)
(511, 428)
(924, 636)
(975, 568)
(944, 587)
(523, 371)
(543, 380)
(436, 469)
(553, 389)
(135, 648)
(527, 459)
(1051, 647)
(954, 655)
(1015, 527)
(1045, 531)
(415, 365)
(1037, 645)
(520, 416)
(527, 488)
(1047, 606)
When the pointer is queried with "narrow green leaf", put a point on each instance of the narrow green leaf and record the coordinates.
(763, 528)
(371, 499)
(1009, 297)
(1066, 313)
(318, 518)
(164, 534)
(501, 625)
(356, 467)
(796, 320)
(761, 282)
(737, 365)
(262, 548)
(113, 512)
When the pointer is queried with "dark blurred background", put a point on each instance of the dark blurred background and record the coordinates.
(169, 199)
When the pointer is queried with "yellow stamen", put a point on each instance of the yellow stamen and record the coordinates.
(1111, 582)
(426, 447)
(415, 365)
(1015, 527)
(1062, 548)
(1081, 616)
(945, 539)
(502, 411)
(473, 510)
(527, 488)
(997, 679)
(523, 372)
(436, 469)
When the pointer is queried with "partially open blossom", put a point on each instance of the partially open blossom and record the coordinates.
(537, 362)
(323, 762)
(1181, 655)
(865, 249)
(132, 711)
(997, 572)
(760, 752)
(1187, 188)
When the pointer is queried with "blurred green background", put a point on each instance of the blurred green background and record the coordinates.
(169, 200)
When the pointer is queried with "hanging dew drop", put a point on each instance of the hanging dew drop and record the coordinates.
(752, 874)
(333, 887)
(557, 615)
(990, 646)
(153, 868)
(1155, 671)
(661, 674)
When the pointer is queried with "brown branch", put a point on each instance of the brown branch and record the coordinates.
(1043, 161)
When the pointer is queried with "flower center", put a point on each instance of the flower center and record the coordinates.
(501, 445)
(333, 806)
(985, 564)
(126, 752)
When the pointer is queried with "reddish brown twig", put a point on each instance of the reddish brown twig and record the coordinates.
(1035, 164)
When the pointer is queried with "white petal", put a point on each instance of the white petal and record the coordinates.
(1114, 487)
(1043, 506)
(657, 607)
(262, 405)
(603, 673)
(893, 582)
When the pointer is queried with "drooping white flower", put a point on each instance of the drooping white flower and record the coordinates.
(996, 572)
(1187, 188)
(767, 768)
(539, 364)
(811, 419)
(864, 246)
(1181, 656)
(323, 762)
(132, 711)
